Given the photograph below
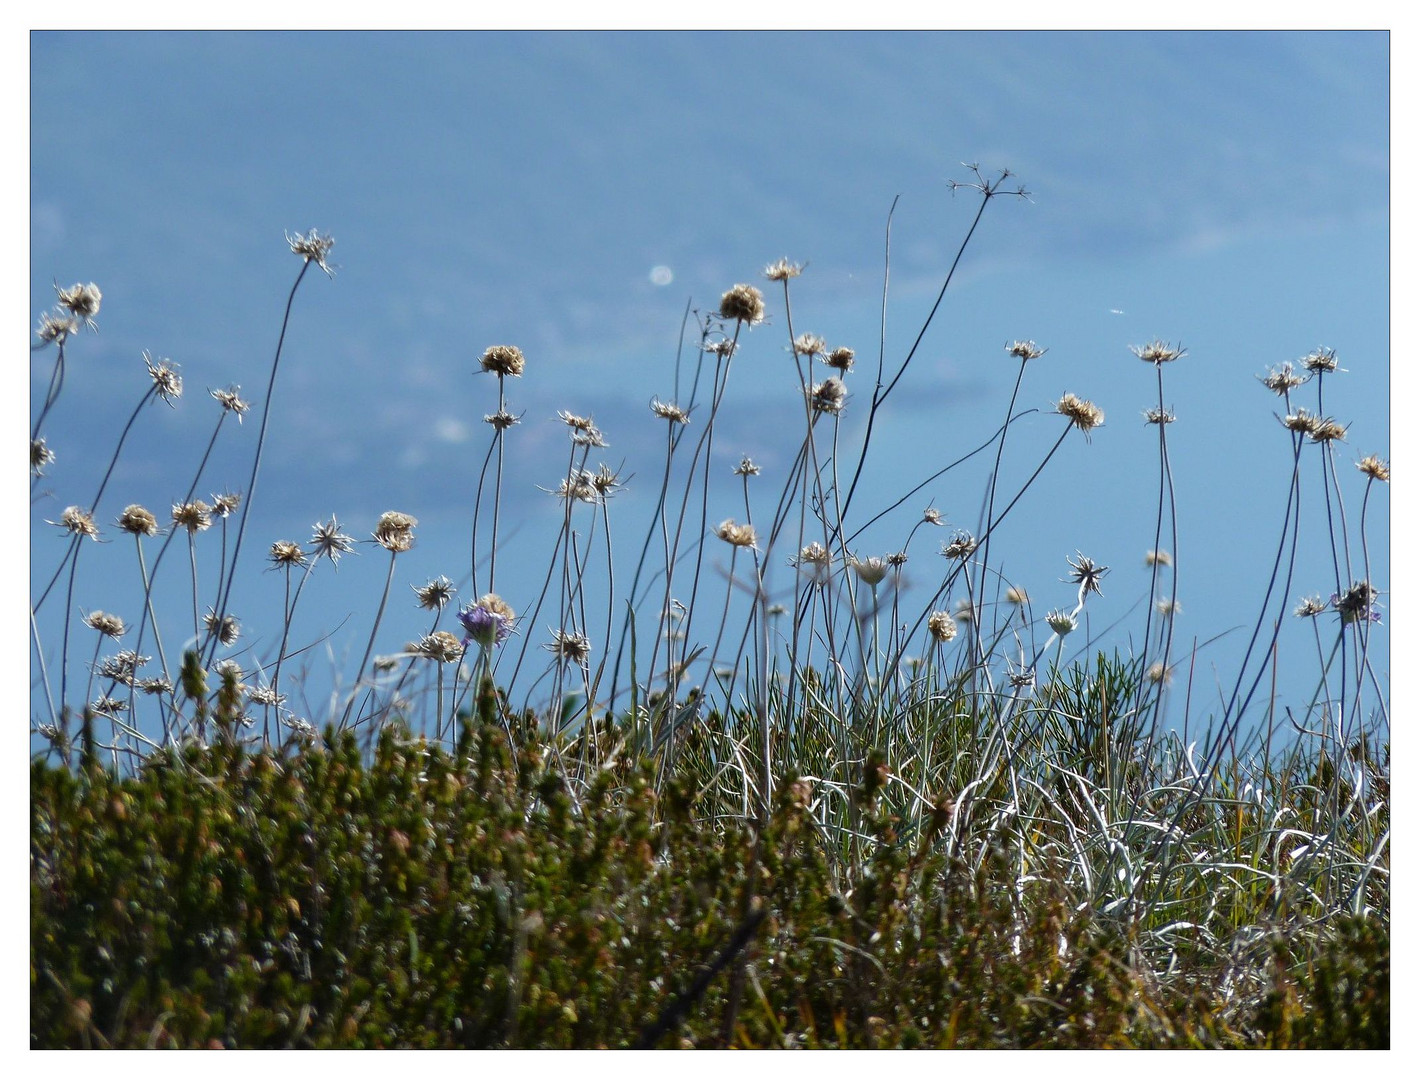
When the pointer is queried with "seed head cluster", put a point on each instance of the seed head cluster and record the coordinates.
(744, 304)
(502, 360)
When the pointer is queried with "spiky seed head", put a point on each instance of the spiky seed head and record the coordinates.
(82, 301)
(669, 410)
(1158, 558)
(960, 547)
(502, 420)
(1086, 574)
(810, 345)
(1085, 415)
(439, 646)
(897, 559)
(110, 626)
(744, 304)
(137, 520)
(77, 522)
(828, 396)
(1309, 607)
(503, 360)
(194, 516)
(225, 629)
(736, 535)
(1302, 422)
(1017, 596)
(314, 247)
(841, 359)
(287, 553)
(122, 667)
(1375, 468)
(265, 695)
(1061, 622)
(932, 516)
(1025, 350)
(723, 347)
(55, 326)
(1320, 359)
(1158, 352)
(1358, 603)
(232, 401)
(570, 647)
(40, 456)
(158, 685)
(813, 554)
(577, 487)
(166, 380)
(783, 270)
(1168, 608)
(1158, 673)
(1283, 379)
(746, 467)
(1159, 416)
(436, 594)
(226, 504)
(329, 541)
(941, 626)
(395, 531)
(1327, 430)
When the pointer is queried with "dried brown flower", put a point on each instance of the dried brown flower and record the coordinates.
(502, 360)
(395, 531)
(743, 303)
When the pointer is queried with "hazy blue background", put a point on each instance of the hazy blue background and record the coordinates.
(1230, 191)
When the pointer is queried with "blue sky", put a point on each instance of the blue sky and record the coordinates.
(1226, 190)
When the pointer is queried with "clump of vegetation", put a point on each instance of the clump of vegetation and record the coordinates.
(832, 815)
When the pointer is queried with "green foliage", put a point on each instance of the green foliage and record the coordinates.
(412, 898)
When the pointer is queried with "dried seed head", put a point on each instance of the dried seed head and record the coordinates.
(1302, 422)
(579, 486)
(871, 570)
(166, 381)
(841, 359)
(589, 437)
(226, 629)
(395, 531)
(138, 521)
(1025, 350)
(783, 270)
(328, 540)
(941, 626)
(736, 535)
(813, 554)
(440, 646)
(502, 360)
(1375, 468)
(776, 610)
(1157, 352)
(932, 516)
(82, 301)
(77, 522)
(828, 396)
(1320, 360)
(1327, 430)
(1282, 380)
(669, 410)
(810, 345)
(287, 553)
(570, 647)
(501, 420)
(158, 685)
(1159, 416)
(226, 504)
(1158, 558)
(313, 247)
(746, 467)
(433, 596)
(110, 626)
(897, 559)
(1157, 673)
(55, 326)
(1084, 573)
(964, 612)
(1062, 622)
(1309, 608)
(604, 480)
(231, 401)
(1358, 603)
(724, 348)
(265, 695)
(1168, 608)
(1083, 414)
(743, 303)
(109, 706)
(121, 667)
(40, 456)
(960, 547)
(1017, 595)
(193, 516)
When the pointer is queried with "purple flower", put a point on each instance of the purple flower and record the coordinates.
(486, 624)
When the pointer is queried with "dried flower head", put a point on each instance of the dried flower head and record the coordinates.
(871, 570)
(578, 486)
(1085, 415)
(776, 610)
(225, 629)
(743, 303)
(502, 420)
(960, 547)
(1025, 350)
(110, 626)
(783, 270)
(1157, 352)
(166, 381)
(813, 554)
(55, 326)
(932, 516)
(1310, 607)
(265, 695)
(941, 626)
(439, 646)
(669, 410)
(328, 540)
(897, 559)
(1159, 416)
(1158, 558)
(1168, 608)
(287, 553)
(395, 531)
(810, 345)
(723, 347)
(122, 667)
(138, 521)
(77, 522)
(963, 611)
(1358, 603)
(1158, 673)
(1375, 468)
(570, 647)
(232, 401)
(1320, 359)
(313, 247)
(746, 467)
(226, 504)
(502, 360)
(1017, 595)
(604, 480)
(736, 535)
(1302, 422)
(109, 706)
(828, 396)
(433, 596)
(158, 685)
(82, 301)
(194, 516)
(1061, 622)
(488, 621)
(1282, 380)
(1327, 430)
(841, 359)
(40, 456)
(1084, 573)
